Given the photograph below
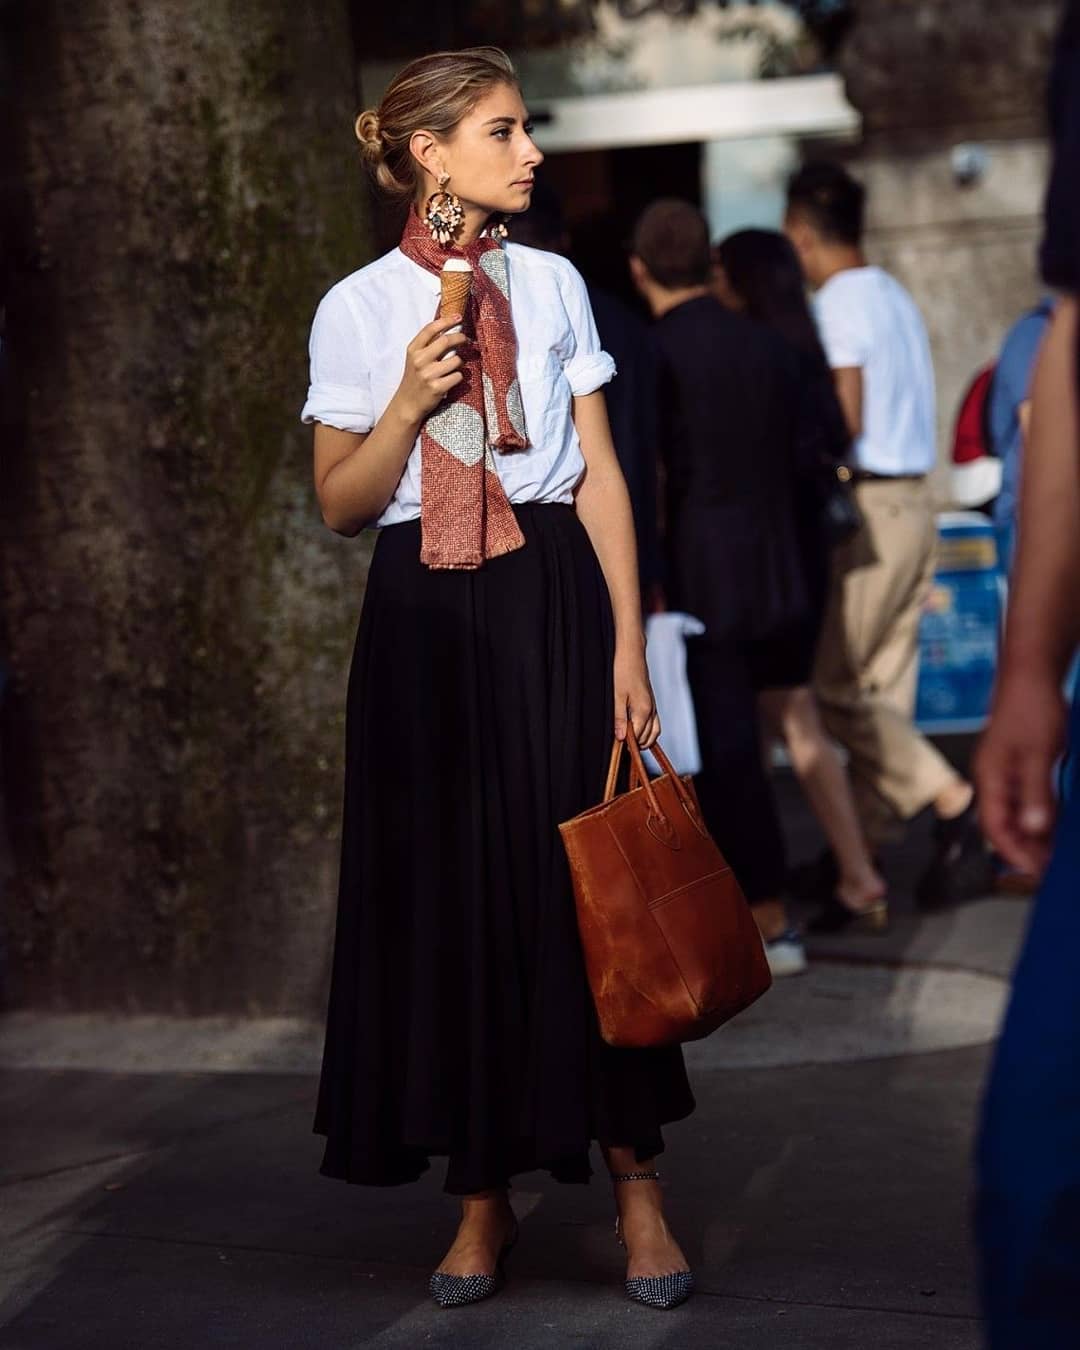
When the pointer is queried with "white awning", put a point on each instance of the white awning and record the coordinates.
(806, 105)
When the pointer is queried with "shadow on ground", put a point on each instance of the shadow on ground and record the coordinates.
(822, 1204)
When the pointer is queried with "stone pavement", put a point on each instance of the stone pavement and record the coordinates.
(156, 1193)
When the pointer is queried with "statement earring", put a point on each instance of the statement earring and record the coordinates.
(498, 229)
(443, 213)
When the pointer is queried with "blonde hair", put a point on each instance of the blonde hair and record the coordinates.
(431, 94)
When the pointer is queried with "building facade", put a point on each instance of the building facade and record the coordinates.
(937, 105)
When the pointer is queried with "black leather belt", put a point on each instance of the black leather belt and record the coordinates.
(865, 476)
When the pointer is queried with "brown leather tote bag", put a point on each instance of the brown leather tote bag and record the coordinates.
(671, 948)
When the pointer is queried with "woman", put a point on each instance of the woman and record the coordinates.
(757, 273)
(500, 645)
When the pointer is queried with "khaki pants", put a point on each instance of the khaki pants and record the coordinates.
(867, 662)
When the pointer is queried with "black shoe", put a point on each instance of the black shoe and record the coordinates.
(962, 867)
(655, 1291)
(818, 879)
(814, 880)
(455, 1291)
(835, 917)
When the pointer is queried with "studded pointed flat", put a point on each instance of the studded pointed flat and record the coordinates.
(456, 1291)
(661, 1291)
(655, 1291)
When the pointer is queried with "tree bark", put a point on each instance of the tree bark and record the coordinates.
(176, 617)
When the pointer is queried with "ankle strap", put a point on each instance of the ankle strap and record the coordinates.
(635, 1176)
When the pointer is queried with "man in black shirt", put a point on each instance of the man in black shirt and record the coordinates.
(728, 436)
(631, 396)
(1029, 1149)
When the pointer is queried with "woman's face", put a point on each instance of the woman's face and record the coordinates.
(722, 288)
(491, 158)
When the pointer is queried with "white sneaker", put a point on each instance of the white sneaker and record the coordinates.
(786, 954)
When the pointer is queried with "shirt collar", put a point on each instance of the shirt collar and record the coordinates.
(429, 279)
(683, 305)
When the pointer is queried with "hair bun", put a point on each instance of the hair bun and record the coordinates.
(369, 134)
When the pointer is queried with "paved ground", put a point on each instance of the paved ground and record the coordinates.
(821, 1189)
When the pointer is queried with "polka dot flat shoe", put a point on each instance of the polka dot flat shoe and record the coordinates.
(455, 1291)
(655, 1291)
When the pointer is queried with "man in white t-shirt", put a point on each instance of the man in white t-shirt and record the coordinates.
(867, 667)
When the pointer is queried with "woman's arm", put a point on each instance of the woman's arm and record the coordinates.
(849, 390)
(603, 504)
(356, 473)
(1027, 727)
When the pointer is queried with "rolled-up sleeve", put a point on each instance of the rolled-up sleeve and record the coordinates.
(585, 363)
(339, 394)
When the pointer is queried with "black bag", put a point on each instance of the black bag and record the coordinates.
(841, 518)
(824, 444)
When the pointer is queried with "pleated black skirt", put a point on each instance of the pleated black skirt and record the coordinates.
(460, 1024)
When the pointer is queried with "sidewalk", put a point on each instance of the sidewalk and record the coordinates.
(821, 1189)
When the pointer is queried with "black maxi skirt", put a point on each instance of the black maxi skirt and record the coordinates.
(460, 1024)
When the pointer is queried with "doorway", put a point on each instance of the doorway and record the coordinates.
(602, 193)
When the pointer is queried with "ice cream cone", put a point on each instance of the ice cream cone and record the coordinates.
(456, 279)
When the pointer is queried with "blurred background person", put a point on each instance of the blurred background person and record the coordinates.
(1029, 1150)
(974, 466)
(867, 664)
(1008, 416)
(632, 396)
(756, 273)
(729, 414)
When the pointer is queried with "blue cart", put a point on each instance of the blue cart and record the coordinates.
(961, 626)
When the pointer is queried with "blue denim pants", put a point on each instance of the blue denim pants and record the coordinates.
(1028, 1199)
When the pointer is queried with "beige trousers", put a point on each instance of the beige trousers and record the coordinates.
(867, 663)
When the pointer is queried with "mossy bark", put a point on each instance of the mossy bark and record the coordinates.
(176, 617)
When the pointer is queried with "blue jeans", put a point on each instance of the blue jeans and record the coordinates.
(1028, 1209)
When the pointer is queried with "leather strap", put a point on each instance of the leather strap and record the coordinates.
(639, 776)
(635, 1176)
(613, 771)
(867, 476)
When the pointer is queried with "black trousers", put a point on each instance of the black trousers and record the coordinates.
(736, 797)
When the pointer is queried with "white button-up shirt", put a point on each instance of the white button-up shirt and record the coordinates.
(365, 322)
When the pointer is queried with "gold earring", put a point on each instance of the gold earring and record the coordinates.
(443, 213)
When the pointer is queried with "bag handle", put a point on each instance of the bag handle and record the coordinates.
(639, 777)
(637, 770)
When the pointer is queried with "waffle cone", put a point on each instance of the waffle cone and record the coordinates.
(455, 292)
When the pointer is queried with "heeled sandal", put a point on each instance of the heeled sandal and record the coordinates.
(655, 1291)
(836, 917)
(455, 1291)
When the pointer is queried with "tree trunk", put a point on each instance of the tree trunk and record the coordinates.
(176, 617)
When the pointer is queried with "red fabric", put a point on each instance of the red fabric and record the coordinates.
(970, 439)
(465, 515)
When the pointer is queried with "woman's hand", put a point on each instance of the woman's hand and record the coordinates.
(432, 368)
(357, 473)
(634, 696)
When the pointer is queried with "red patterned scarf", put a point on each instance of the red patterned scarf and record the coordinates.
(465, 516)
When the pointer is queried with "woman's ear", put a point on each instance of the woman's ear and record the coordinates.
(425, 149)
